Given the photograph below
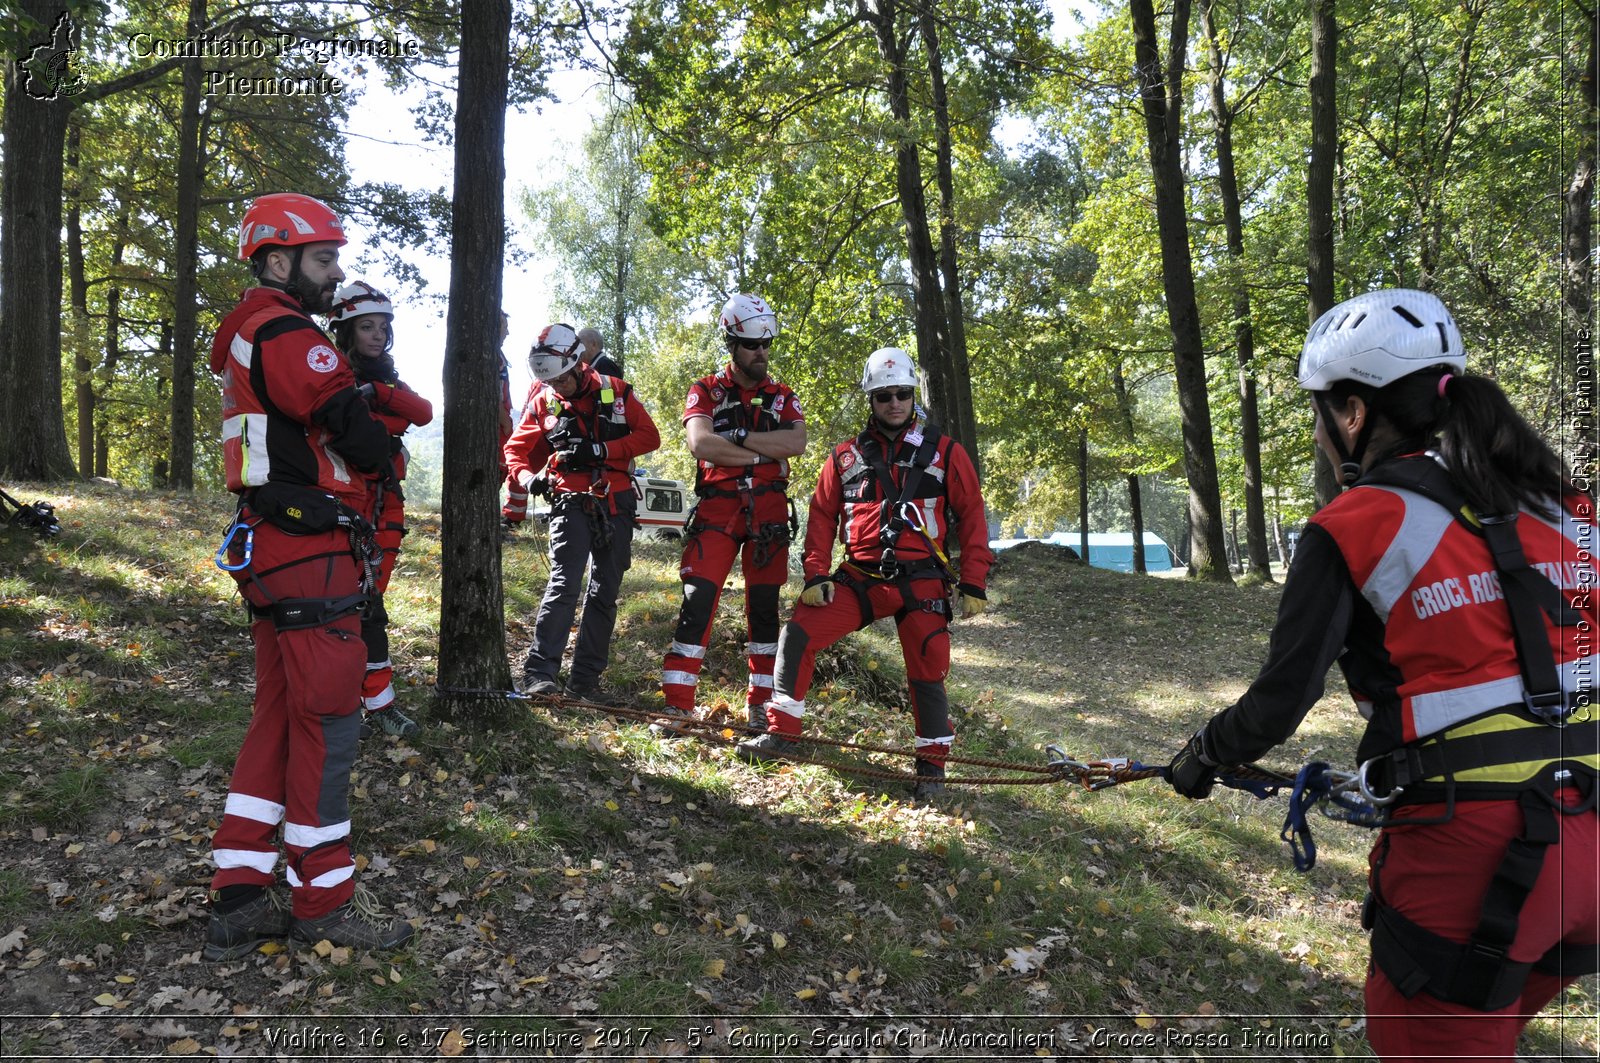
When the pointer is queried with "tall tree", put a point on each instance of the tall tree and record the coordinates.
(933, 341)
(186, 237)
(949, 259)
(1319, 194)
(33, 441)
(1223, 115)
(1161, 94)
(472, 651)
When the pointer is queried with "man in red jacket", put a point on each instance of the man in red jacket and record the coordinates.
(743, 426)
(889, 495)
(581, 429)
(300, 447)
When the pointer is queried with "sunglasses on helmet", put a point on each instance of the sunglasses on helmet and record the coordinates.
(887, 396)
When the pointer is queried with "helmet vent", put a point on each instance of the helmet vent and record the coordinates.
(1409, 316)
(1444, 337)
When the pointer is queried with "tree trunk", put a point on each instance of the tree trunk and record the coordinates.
(1319, 196)
(1577, 230)
(185, 314)
(1083, 493)
(472, 647)
(619, 294)
(78, 298)
(926, 297)
(33, 436)
(160, 474)
(1162, 96)
(1255, 522)
(108, 369)
(963, 421)
(1135, 500)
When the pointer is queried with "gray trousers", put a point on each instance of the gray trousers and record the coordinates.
(574, 553)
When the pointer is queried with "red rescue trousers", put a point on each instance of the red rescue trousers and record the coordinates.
(924, 642)
(294, 766)
(377, 688)
(723, 530)
(1437, 876)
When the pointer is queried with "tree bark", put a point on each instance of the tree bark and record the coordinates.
(1319, 196)
(78, 298)
(1161, 93)
(926, 297)
(33, 437)
(1135, 499)
(963, 424)
(186, 238)
(1255, 522)
(472, 649)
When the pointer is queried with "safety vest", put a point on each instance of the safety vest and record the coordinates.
(757, 409)
(1451, 649)
(260, 441)
(878, 514)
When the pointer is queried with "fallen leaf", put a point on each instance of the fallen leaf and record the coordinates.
(186, 1047)
(779, 942)
(714, 968)
(805, 994)
(1143, 1021)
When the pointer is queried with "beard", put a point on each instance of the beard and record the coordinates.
(755, 368)
(314, 298)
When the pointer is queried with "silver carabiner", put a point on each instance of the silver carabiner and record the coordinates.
(1366, 790)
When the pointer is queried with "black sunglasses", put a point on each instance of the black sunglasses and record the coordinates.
(886, 396)
(755, 345)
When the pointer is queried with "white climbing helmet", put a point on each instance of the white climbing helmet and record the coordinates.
(1380, 337)
(888, 367)
(357, 299)
(555, 352)
(748, 317)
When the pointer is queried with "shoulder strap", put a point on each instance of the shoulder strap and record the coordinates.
(1529, 594)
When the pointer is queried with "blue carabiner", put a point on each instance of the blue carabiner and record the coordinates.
(227, 541)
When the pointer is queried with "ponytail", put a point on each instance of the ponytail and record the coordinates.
(1497, 459)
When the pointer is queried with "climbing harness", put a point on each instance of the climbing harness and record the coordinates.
(41, 516)
(292, 614)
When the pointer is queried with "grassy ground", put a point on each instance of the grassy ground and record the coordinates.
(586, 889)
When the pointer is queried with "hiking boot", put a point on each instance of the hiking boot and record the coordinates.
(541, 687)
(592, 694)
(236, 933)
(930, 781)
(355, 924)
(391, 721)
(665, 728)
(769, 748)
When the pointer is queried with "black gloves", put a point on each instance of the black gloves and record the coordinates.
(736, 436)
(1193, 773)
(579, 454)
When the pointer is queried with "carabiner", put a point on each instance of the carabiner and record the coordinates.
(227, 541)
(1366, 790)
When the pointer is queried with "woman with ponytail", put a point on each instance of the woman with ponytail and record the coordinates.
(1454, 583)
(363, 329)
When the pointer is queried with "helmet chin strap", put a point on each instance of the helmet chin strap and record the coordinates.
(1349, 459)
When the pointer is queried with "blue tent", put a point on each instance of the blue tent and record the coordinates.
(1115, 550)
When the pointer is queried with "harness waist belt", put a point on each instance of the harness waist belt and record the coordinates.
(1523, 742)
(292, 614)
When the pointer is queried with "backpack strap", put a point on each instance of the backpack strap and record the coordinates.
(1528, 592)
